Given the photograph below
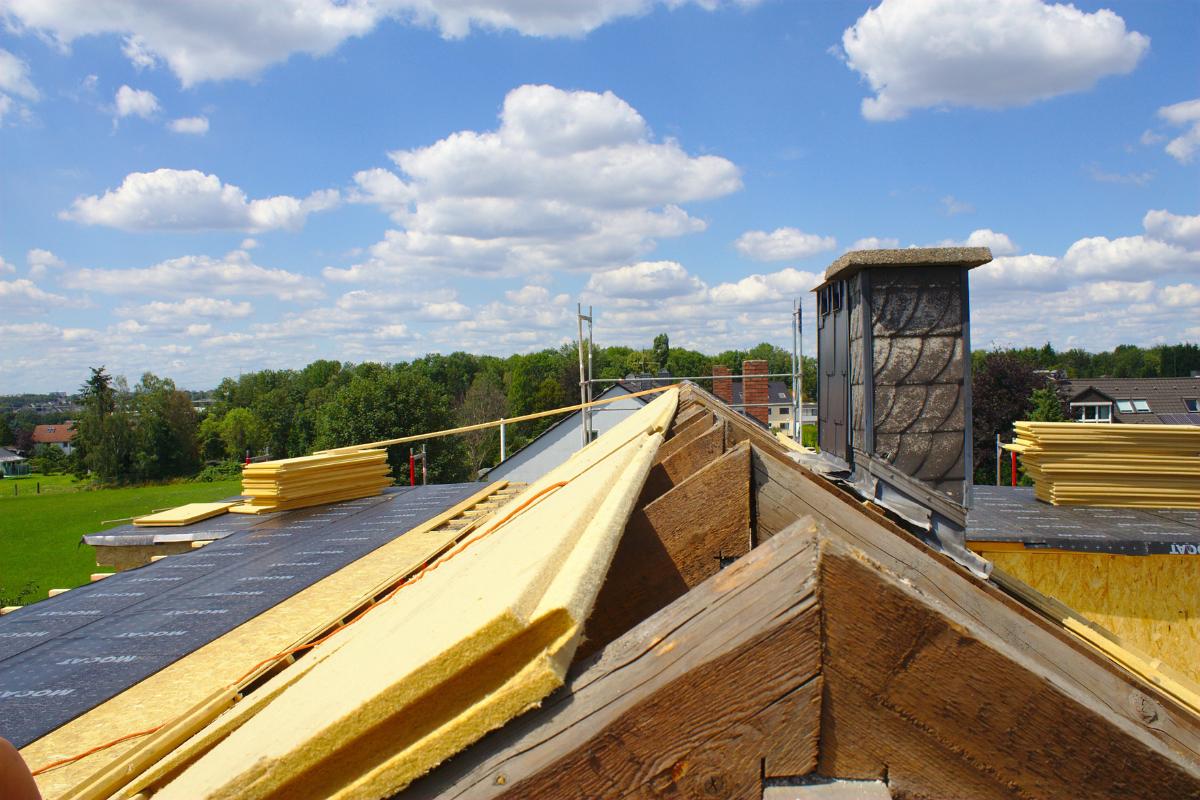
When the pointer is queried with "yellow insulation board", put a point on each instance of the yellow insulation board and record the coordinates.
(1151, 602)
(459, 652)
(184, 515)
(178, 687)
(1121, 466)
(292, 483)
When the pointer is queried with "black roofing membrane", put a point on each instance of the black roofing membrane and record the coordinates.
(63, 656)
(1013, 514)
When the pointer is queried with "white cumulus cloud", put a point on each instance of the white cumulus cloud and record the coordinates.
(15, 82)
(648, 280)
(220, 40)
(130, 102)
(190, 200)
(1000, 243)
(1184, 115)
(1173, 228)
(232, 275)
(42, 261)
(24, 296)
(569, 180)
(196, 126)
(983, 53)
(783, 244)
(164, 312)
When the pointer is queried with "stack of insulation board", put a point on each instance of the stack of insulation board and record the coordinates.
(1120, 466)
(312, 480)
(459, 651)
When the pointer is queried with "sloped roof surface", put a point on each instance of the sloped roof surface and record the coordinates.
(1165, 397)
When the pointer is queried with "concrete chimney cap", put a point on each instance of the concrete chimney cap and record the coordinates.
(856, 260)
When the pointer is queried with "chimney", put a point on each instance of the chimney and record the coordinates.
(755, 391)
(722, 386)
(894, 360)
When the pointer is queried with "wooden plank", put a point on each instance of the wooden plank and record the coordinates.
(679, 462)
(784, 491)
(687, 703)
(673, 544)
(908, 677)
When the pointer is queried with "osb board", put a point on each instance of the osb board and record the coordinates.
(193, 678)
(702, 699)
(909, 686)
(1152, 602)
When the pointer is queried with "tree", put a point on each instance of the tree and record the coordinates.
(484, 401)
(662, 350)
(242, 432)
(1000, 388)
(388, 403)
(166, 442)
(7, 436)
(104, 437)
(1046, 405)
(49, 459)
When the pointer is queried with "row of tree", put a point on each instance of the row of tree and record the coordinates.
(152, 431)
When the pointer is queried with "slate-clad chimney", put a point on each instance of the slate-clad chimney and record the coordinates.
(755, 392)
(893, 345)
(722, 386)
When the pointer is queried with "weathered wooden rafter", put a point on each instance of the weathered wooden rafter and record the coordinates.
(839, 646)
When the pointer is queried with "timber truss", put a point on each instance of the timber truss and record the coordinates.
(761, 627)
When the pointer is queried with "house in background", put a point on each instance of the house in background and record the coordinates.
(1166, 401)
(11, 464)
(60, 435)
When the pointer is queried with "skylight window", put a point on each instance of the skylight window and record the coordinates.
(1141, 406)
(1125, 406)
(1193, 404)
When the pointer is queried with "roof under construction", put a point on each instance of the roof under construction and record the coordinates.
(681, 609)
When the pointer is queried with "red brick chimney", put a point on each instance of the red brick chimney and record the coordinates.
(722, 386)
(755, 389)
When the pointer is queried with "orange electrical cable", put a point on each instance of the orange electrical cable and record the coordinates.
(72, 759)
(430, 567)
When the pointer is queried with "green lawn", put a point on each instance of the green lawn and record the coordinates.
(39, 484)
(39, 534)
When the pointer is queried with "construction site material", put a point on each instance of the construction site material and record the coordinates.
(419, 437)
(806, 657)
(191, 682)
(293, 483)
(1118, 466)
(1150, 602)
(183, 515)
(482, 638)
(65, 656)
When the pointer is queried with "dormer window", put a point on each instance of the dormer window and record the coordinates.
(1092, 412)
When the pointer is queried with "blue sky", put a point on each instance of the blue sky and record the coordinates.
(200, 189)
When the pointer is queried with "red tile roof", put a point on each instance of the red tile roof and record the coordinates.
(60, 433)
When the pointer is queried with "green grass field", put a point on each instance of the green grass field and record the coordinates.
(39, 534)
(39, 484)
